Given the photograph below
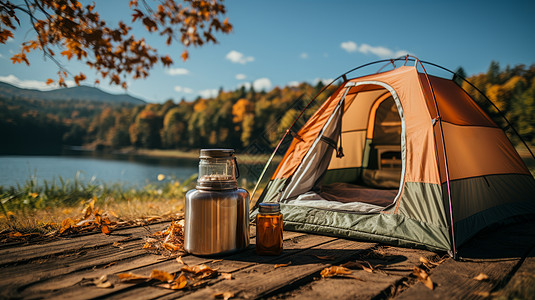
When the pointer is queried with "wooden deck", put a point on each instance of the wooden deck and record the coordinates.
(67, 268)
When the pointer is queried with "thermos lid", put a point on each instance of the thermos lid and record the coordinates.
(216, 153)
(269, 207)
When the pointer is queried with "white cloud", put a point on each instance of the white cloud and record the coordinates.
(294, 83)
(303, 55)
(379, 51)
(349, 46)
(238, 58)
(31, 84)
(181, 89)
(240, 76)
(209, 93)
(262, 84)
(177, 71)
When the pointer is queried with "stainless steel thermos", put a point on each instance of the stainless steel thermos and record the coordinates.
(217, 211)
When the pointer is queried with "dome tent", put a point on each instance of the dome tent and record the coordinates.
(400, 157)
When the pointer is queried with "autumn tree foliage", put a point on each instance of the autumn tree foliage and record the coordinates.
(239, 119)
(80, 33)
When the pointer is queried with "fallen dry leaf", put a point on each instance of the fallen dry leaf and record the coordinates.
(482, 277)
(358, 265)
(325, 257)
(88, 210)
(66, 224)
(118, 245)
(180, 282)
(105, 229)
(335, 271)
(423, 277)
(224, 295)
(215, 261)
(110, 264)
(171, 246)
(200, 270)
(177, 284)
(429, 264)
(102, 282)
(282, 265)
(226, 276)
(179, 260)
(482, 294)
(162, 276)
(132, 278)
(149, 246)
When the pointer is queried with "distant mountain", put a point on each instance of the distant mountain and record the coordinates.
(77, 93)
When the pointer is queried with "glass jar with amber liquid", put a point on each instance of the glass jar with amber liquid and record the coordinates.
(269, 229)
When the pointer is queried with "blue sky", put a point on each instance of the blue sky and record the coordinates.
(280, 42)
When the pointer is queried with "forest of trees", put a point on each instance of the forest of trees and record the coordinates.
(233, 119)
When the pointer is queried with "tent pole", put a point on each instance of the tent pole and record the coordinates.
(439, 119)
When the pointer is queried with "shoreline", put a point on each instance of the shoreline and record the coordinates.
(254, 159)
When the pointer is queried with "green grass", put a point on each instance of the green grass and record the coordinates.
(38, 207)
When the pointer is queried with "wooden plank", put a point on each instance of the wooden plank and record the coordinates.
(18, 276)
(47, 274)
(17, 255)
(264, 279)
(391, 265)
(142, 266)
(522, 283)
(495, 253)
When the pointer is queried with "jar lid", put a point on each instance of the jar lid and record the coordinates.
(269, 207)
(216, 153)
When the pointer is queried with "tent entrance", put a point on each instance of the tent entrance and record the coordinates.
(367, 178)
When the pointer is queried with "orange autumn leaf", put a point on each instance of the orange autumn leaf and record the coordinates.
(88, 210)
(162, 276)
(185, 55)
(105, 229)
(171, 247)
(429, 264)
(358, 265)
(335, 271)
(67, 53)
(202, 268)
(423, 277)
(102, 282)
(325, 257)
(66, 224)
(149, 246)
(49, 81)
(203, 271)
(481, 277)
(166, 60)
(224, 295)
(137, 14)
(179, 283)
(282, 265)
(132, 278)
(78, 78)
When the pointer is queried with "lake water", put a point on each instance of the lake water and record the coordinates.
(130, 170)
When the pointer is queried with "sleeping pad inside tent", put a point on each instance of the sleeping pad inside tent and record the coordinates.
(400, 157)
